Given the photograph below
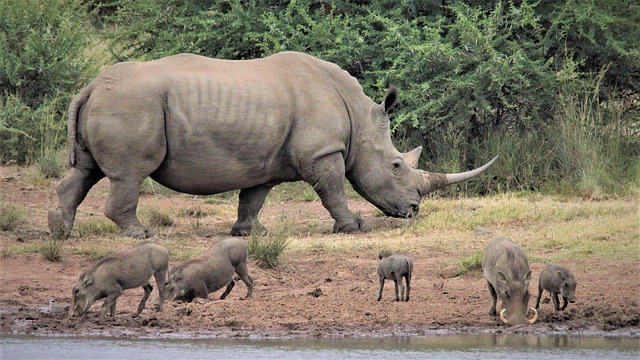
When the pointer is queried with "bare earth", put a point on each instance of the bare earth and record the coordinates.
(316, 292)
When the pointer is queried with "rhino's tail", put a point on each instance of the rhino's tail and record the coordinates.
(74, 109)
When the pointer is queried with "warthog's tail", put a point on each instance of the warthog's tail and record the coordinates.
(74, 109)
(409, 268)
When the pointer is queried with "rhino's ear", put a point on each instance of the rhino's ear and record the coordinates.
(390, 98)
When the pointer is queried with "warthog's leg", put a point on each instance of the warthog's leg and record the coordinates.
(249, 205)
(121, 207)
(147, 291)
(398, 283)
(226, 292)
(381, 287)
(556, 301)
(407, 279)
(71, 191)
(540, 290)
(326, 175)
(494, 299)
(110, 302)
(564, 303)
(243, 273)
(161, 277)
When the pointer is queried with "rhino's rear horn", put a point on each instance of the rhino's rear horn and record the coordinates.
(434, 181)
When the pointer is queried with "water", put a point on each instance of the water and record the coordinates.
(489, 346)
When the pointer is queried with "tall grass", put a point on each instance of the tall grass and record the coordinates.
(266, 248)
(11, 216)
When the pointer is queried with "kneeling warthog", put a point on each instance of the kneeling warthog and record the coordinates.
(210, 272)
(395, 267)
(557, 280)
(111, 275)
(507, 273)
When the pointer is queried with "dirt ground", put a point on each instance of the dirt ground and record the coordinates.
(312, 294)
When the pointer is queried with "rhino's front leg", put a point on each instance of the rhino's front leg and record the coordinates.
(249, 205)
(121, 207)
(328, 182)
(71, 190)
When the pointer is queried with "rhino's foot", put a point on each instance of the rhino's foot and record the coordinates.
(348, 226)
(244, 229)
(137, 232)
(58, 227)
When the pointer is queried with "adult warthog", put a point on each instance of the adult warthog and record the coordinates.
(507, 273)
(111, 275)
(206, 126)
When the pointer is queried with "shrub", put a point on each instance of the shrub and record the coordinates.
(43, 61)
(10, 216)
(267, 248)
(52, 249)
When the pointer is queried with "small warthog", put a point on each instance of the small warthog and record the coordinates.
(557, 280)
(395, 267)
(111, 275)
(507, 273)
(210, 272)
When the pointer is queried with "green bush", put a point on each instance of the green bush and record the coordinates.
(11, 216)
(42, 64)
(267, 248)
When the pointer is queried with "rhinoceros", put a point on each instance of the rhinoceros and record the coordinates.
(205, 126)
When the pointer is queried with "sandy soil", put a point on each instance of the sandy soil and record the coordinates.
(313, 294)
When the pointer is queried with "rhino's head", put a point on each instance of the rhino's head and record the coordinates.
(388, 178)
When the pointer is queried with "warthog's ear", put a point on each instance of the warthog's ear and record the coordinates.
(561, 275)
(502, 278)
(527, 278)
(81, 276)
(177, 275)
(88, 280)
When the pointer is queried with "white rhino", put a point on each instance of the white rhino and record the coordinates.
(205, 126)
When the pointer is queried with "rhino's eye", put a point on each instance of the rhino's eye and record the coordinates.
(397, 165)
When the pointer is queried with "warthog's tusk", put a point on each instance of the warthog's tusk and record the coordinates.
(502, 317)
(535, 316)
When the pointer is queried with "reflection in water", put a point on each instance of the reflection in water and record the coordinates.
(427, 347)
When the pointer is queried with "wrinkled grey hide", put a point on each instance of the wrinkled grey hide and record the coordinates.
(507, 273)
(210, 272)
(206, 126)
(111, 275)
(557, 280)
(395, 267)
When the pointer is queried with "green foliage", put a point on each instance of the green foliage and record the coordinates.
(471, 262)
(476, 79)
(42, 63)
(11, 216)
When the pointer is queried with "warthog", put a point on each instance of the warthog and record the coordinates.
(111, 275)
(210, 272)
(395, 267)
(557, 280)
(507, 273)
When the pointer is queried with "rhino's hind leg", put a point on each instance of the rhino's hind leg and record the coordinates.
(250, 202)
(121, 207)
(72, 189)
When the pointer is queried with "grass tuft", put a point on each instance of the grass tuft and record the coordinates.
(11, 216)
(267, 248)
(52, 249)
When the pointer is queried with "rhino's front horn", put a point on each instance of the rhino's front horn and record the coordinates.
(434, 181)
